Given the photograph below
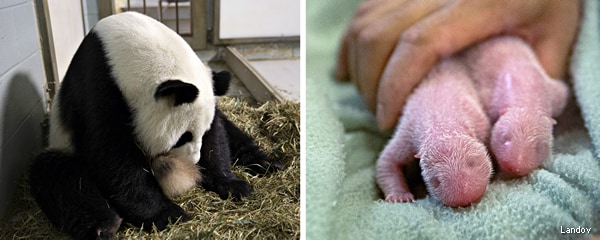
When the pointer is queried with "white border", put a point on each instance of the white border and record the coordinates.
(302, 119)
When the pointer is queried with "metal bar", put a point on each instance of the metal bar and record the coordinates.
(105, 9)
(177, 16)
(216, 22)
(160, 13)
(144, 2)
(229, 41)
(191, 19)
(128, 5)
(198, 21)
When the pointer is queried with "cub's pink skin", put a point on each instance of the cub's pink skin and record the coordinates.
(445, 126)
(520, 99)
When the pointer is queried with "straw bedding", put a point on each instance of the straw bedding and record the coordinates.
(272, 212)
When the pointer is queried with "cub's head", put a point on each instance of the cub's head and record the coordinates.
(456, 169)
(166, 86)
(522, 140)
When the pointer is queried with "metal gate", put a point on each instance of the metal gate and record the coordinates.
(186, 17)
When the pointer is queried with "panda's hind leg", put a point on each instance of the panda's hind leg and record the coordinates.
(69, 199)
(245, 151)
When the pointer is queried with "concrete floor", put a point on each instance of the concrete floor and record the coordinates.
(282, 74)
(278, 64)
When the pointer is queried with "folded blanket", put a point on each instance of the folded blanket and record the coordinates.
(342, 145)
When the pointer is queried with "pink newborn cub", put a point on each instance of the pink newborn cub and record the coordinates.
(520, 98)
(445, 126)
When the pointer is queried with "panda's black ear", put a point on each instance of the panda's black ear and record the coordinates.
(221, 82)
(179, 91)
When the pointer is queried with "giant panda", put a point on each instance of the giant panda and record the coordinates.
(136, 110)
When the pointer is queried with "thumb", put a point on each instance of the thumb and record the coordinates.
(553, 36)
(553, 53)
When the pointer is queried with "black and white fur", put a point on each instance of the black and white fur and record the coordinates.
(135, 99)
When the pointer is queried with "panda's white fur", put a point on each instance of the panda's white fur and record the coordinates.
(143, 53)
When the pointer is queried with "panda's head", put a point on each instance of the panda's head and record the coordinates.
(167, 87)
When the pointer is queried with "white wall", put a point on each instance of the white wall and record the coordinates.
(21, 94)
(67, 26)
(259, 18)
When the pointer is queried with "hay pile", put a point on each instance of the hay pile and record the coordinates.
(272, 212)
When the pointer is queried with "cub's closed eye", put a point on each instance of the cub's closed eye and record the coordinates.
(185, 138)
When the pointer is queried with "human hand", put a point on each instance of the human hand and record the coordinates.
(390, 45)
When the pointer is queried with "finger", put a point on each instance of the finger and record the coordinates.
(374, 45)
(421, 46)
(553, 48)
(371, 52)
(396, 84)
(374, 11)
(353, 63)
(341, 68)
(553, 56)
(372, 7)
(366, 13)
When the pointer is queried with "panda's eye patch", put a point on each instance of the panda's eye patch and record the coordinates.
(185, 138)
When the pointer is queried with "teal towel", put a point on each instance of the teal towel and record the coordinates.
(342, 145)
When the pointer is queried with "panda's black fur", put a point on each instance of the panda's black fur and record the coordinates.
(104, 176)
(240, 147)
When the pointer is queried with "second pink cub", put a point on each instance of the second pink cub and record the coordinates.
(520, 99)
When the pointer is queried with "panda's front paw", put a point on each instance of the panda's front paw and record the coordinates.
(264, 166)
(101, 227)
(106, 229)
(234, 188)
(170, 214)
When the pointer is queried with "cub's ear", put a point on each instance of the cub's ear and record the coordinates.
(221, 82)
(177, 90)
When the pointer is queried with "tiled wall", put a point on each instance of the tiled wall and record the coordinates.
(21, 94)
